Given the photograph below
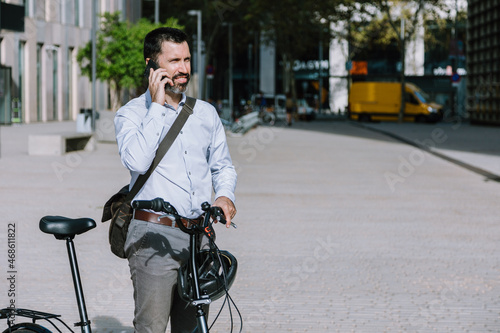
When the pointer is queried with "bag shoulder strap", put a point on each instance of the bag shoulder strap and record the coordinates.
(165, 144)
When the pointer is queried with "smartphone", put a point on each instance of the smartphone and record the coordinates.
(151, 64)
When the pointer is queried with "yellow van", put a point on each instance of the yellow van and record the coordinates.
(380, 101)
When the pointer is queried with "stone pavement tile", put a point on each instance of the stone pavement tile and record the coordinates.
(327, 241)
(475, 145)
(331, 230)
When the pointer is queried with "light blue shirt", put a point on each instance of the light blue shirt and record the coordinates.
(197, 163)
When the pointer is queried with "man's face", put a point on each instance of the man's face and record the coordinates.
(176, 59)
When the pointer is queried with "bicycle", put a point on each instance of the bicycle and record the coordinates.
(64, 228)
(200, 284)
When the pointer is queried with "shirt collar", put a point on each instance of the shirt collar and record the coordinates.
(149, 100)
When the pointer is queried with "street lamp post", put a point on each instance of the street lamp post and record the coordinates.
(231, 101)
(94, 65)
(197, 13)
(157, 11)
(230, 50)
(403, 83)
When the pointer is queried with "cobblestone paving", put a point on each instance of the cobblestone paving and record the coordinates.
(340, 229)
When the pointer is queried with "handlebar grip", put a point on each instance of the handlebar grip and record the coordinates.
(142, 204)
(155, 204)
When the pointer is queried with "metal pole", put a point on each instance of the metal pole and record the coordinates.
(320, 79)
(157, 11)
(403, 87)
(454, 64)
(250, 52)
(200, 64)
(94, 75)
(198, 50)
(231, 101)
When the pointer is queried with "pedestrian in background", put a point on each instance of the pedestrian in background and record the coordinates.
(290, 108)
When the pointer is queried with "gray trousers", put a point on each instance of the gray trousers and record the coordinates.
(155, 252)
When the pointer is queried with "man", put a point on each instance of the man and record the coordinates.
(197, 162)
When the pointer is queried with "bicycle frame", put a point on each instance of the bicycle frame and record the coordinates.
(161, 206)
(199, 301)
(64, 228)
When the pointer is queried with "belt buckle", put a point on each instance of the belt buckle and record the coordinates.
(161, 217)
(173, 221)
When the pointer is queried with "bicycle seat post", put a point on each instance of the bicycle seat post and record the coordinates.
(84, 321)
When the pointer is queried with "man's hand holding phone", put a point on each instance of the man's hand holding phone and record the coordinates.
(158, 79)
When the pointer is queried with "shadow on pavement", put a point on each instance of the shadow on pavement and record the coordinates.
(105, 324)
(450, 134)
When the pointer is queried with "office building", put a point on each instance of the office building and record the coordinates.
(40, 78)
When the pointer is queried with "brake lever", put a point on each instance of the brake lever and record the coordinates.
(215, 212)
(219, 216)
(169, 209)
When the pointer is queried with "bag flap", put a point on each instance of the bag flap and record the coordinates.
(107, 213)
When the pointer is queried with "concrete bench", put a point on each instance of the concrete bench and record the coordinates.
(245, 123)
(59, 143)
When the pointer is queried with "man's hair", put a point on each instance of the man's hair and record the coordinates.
(155, 38)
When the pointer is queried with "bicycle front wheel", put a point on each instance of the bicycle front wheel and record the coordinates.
(26, 328)
(268, 118)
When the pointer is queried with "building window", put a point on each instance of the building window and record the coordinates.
(27, 5)
(55, 84)
(39, 48)
(40, 10)
(19, 105)
(53, 11)
(69, 85)
(77, 13)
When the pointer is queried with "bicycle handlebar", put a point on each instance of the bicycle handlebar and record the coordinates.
(159, 205)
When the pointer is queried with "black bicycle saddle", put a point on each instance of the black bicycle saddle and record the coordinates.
(63, 227)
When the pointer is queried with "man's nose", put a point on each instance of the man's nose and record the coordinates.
(184, 67)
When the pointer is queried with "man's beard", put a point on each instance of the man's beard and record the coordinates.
(178, 88)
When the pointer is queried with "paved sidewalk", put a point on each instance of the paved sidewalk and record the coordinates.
(340, 229)
(477, 147)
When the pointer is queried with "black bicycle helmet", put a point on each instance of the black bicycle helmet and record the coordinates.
(216, 274)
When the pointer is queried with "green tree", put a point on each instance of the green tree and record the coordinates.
(119, 54)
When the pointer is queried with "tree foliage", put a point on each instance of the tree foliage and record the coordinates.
(119, 53)
(294, 27)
